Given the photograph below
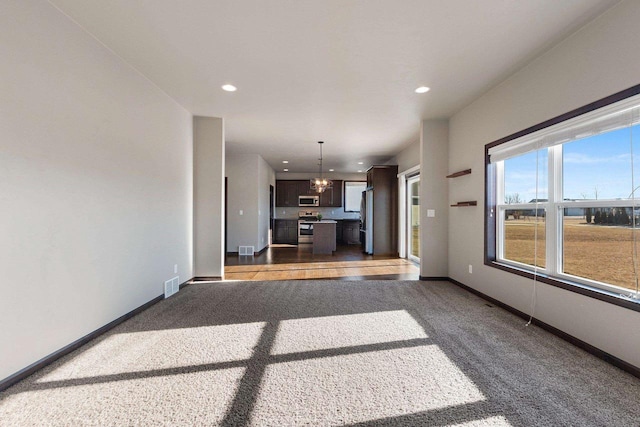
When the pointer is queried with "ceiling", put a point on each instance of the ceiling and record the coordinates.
(341, 71)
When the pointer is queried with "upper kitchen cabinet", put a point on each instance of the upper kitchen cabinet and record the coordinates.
(287, 193)
(304, 188)
(332, 198)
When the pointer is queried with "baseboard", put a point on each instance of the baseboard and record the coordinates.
(187, 283)
(47, 360)
(261, 251)
(435, 278)
(609, 358)
(206, 279)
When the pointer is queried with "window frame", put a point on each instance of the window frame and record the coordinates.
(344, 191)
(494, 215)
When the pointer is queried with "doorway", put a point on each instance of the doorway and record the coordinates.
(271, 214)
(413, 219)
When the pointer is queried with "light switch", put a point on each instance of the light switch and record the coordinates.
(431, 213)
(241, 212)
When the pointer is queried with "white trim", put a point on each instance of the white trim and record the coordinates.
(606, 119)
(402, 209)
(402, 215)
(553, 218)
(554, 222)
(409, 230)
(415, 169)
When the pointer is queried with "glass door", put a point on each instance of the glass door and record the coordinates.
(413, 219)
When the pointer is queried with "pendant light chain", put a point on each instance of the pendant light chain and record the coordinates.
(321, 184)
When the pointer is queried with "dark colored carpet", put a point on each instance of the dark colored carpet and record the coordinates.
(383, 353)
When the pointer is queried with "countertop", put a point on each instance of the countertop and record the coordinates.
(324, 220)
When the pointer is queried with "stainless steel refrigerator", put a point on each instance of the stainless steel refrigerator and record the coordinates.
(366, 213)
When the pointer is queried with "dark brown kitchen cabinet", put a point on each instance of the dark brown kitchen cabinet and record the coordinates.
(287, 193)
(351, 231)
(304, 188)
(285, 231)
(383, 225)
(332, 198)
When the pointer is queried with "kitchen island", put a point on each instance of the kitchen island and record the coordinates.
(324, 237)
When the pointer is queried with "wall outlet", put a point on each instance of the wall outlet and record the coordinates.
(470, 269)
(175, 268)
(431, 213)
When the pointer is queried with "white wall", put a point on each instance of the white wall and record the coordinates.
(266, 178)
(599, 60)
(249, 177)
(208, 207)
(434, 142)
(95, 185)
(407, 158)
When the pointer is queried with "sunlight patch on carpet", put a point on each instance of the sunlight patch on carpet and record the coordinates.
(485, 422)
(320, 333)
(362, 387)
(187, 399)
(163, 349)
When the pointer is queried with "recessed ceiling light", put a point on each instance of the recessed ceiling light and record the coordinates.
(330, 170)
(285, 161)
(286, 170)
(229, 88)
(360, 163)
(359, 170)
(422, 89)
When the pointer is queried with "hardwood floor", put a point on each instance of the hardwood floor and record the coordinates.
(298, 262)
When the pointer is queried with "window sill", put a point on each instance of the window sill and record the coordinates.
(582, 289)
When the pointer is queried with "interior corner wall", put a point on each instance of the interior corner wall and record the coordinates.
(409, 157)
(434, 197)
(209, 195)
(266, 178)
(599, 60)
(243, 172)
(95, 185)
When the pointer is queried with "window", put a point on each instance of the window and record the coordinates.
(353, 195)
(563, 200)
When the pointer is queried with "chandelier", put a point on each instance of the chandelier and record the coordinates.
(319, 185)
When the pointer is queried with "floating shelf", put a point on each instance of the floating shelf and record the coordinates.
(468, 203)
(460, 173)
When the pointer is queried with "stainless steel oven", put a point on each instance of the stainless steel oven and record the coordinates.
(306, 219)
(305, 232)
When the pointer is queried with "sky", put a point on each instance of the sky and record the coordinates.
(596, 167)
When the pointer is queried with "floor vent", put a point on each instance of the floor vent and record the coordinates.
(245, 250)
(171, 286)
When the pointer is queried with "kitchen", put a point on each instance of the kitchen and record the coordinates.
(297, 208)
(265, 207)
(294, 208)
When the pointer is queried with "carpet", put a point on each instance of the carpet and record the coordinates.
(325, 353)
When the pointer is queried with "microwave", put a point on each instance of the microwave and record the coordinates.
(308, 201)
